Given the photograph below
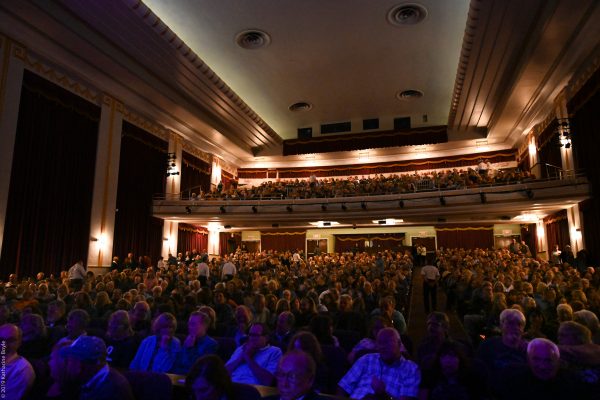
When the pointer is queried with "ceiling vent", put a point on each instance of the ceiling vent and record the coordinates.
(407, 14)
(252, 39)
(300, 106)
(410, 94)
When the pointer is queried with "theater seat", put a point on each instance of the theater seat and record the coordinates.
(243, 391)
(149, 385)
(226, 347)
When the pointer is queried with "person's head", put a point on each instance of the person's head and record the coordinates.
(543, 358)
(85, 357)
(165, 325)
(198, 324)
(58, 363)
(512, 324)
(573, 333)
(209, 380)
(33, 327)
(119, 326)
(389, 345)
(438, 324)
(308, 343)
(77, 322)
(140, 312)
(450, 358)
(285, 322)
(56, 310)
(564, 312)
(587, 318)
(378, 323)
(258, 335)
(243, 316)
(211, 313)
(295, 374)
(345, 303)
(11, 335)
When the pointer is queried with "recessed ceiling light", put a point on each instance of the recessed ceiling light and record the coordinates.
(407, 14)
(387, 221)
(252, 39)
(300, 106)
(410, 94)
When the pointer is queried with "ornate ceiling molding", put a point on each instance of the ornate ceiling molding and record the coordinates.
(146, 124)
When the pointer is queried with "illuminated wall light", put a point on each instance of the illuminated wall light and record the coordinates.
(102, 241)
(532, 149)
(541, 232)
(576, 232)
(363, 156)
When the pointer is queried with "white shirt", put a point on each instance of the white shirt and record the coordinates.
(228, 269)
(77, 271)
(429, 272)
(19, 378)
(203, 269)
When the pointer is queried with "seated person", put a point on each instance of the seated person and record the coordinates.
(295, 377)
(500, 352)
(284, 330)
(255, 361)
(121, 344)
(88, 372)
(158, 352)
(387, 309)
(541, 377)
(196, 344)
(385, 374)
(209, 380)
(17, 373)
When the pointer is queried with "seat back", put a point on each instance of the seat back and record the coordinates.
(226, 347)
(243, 391)
(148, 385)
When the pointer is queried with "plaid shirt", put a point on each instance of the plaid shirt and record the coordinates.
(401, 378)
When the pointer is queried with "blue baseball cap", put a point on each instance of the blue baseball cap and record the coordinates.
(86, 348)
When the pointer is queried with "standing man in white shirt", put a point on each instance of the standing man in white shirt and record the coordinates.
(228, 271)
(76, 276)
(203, 271)
(431, 276)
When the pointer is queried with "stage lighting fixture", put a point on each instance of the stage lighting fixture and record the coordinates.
(254, 209)
(401, 203)
(344, 207)
(188, 210)
(289, 208)
(323, 207)
(363, 205)
(442, 201)
(483, 197)
(223, 209)
(529, 194)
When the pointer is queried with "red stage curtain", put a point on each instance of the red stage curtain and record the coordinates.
(142, 173)
(229, 242)
(283, 240)
(47, 224)
(379, 241)
(380, 168)
(466, 237)
(195, 174)
(557, 230)
(190, 238)
(584, 126)
(369, 140)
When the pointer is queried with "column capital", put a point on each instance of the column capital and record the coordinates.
(111, 101)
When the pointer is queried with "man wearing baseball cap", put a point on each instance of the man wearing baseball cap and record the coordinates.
(88, 370)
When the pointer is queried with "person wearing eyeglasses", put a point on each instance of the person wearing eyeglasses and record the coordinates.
(255, 361)
(295, 377)
(17, 373)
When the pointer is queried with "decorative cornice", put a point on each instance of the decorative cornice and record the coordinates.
(110, 101)
(465, 54)
(225, 166)
(193, 150)
(541, 126)
(152, 20)
(147, 125)
(45, 69)
(578, 80)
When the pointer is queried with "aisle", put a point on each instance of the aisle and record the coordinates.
(417, 319)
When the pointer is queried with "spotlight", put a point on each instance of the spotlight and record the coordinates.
(275, 225)
(323, 207)
(254, 209)
(289, 208)
(529, 194)
(442, 201)
(363, 205)
(227, 227)
(483, 197)
(223, 209)
(344, 207)
(353, 226)
(188, 210)
(401, 203)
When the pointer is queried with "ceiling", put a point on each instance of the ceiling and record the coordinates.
(489, 69)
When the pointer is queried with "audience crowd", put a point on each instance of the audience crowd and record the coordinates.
(329, 324)
(372, 185)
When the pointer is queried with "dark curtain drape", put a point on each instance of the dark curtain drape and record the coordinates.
(370, 140)
(190, 238)
(229, 242)
(585, 123)
(142, 173)
(380, 168)
(548, 144)
(557, 230)
(379, 242)
(47, 224)
(195, 174)
(283, 241)
(467, 237)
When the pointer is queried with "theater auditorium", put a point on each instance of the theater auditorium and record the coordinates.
(288, 200)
